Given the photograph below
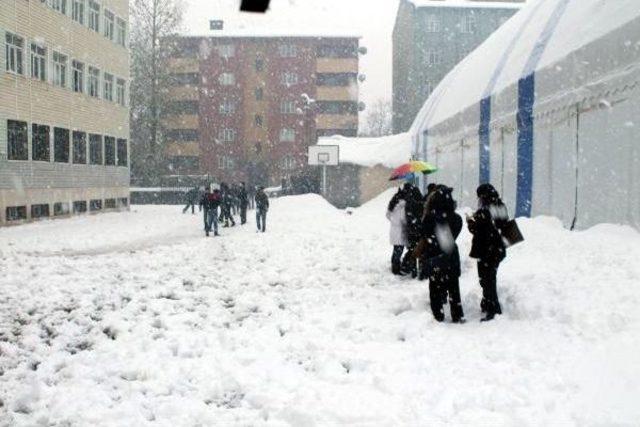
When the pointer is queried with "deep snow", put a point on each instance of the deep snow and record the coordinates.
(138, 319)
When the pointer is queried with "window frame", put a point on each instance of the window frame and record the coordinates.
(56, 145)
(77, 76)
(38, 61)
(121, 92)
(21, 151)
(93, 82)
(78, 8)
(40, 150)
(227, 135)
(78, 157)
(121, 31)
(287, 135)
(122, 142)
(59, 69)
(96, 158)
(107, 86)
(14, 53)
(93, 21)
(284, 107)
(109, 23)
(108, 140)
(227, 79)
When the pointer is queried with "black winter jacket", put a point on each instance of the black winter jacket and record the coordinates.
(486, 226)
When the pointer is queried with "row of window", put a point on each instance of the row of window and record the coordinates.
(468, 24)
(228, 163)
(287, 78)
(102, 150)
(95, 17)
(42, 210)
(60, 71)
(224, 134)
(285, 50)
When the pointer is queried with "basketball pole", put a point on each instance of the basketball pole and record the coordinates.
(324, 178)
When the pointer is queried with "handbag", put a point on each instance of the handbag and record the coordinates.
(511, 234)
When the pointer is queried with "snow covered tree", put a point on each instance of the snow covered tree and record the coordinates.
(152, 21)
(378, 121)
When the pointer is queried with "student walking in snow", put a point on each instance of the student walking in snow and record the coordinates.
(413, 213)
(192, 198)
(243, 203)
(225, 206)
(398, 229)
(210, 202)
(487, 245)
(441, 260)
(262, 206)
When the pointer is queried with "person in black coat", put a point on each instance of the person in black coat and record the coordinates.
(262, 206)
(225, 207)
(243, 200)
(441, 227)
(413, 212)
(487, 245)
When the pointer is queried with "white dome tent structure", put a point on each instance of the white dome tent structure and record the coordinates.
(548, 110)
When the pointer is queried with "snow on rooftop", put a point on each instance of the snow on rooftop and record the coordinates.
(390, 151)
(486, 72)
(467, 4)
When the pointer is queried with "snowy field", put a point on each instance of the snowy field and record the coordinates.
(137, 319)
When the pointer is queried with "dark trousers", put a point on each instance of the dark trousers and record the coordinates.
(186, 208)
(488, 271)
(439, 289)
(396, 259)
(409, 262)
(226, 216)
(243, 214)
(211, 219)
(261, 219)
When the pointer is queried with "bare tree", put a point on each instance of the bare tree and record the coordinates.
(153, 22)
(378, 121)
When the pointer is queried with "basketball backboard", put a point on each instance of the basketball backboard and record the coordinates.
(324, 155)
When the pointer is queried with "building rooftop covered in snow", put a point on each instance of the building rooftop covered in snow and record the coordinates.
(547, 110)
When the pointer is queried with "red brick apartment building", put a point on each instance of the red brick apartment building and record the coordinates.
(246, 107)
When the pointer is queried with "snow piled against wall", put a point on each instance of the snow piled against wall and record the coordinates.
(389, 151)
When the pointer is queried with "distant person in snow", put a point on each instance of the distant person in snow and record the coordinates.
(413, 213)
(487, 245)
(398, 229)
(191, 198)
(225, 206)
(243, 201)
(441, 227)
(262, 206)
(210, 202)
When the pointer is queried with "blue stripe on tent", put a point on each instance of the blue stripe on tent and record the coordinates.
(526, 102)
(526, 99)
(484, 132)
(485, 154)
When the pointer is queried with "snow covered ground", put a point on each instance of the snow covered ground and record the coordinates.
(137, 319)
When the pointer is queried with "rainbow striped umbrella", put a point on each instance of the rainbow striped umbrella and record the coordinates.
(409, 170)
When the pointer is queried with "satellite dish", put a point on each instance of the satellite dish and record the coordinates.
(361, 106)
(362, 50)
(362, 77)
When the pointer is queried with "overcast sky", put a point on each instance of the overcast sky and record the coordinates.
(373, 19)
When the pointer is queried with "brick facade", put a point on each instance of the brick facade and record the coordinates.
(253, 122)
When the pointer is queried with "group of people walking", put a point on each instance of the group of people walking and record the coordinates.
(220, 205)
(423, 233)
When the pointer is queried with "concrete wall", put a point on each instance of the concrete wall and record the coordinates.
(350, 185)
(23, 98)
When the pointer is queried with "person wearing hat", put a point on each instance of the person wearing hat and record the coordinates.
(487, 245)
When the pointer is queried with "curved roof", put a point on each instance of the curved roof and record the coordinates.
(569, 44)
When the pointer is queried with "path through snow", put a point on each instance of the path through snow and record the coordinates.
(138, 319)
